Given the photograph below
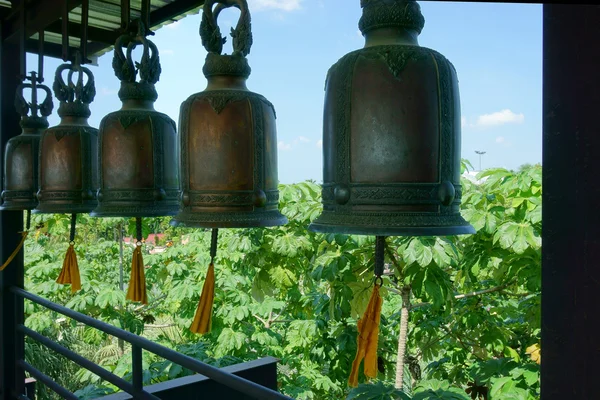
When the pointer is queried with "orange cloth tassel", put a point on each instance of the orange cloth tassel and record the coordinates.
(368, 334)
(14, 253)
(137, 281)
(70, 270)
(203, 319)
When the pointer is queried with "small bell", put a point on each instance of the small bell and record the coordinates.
(137, 145)
(68, 178)
(22, 151)
(228, 137)
(391, 133)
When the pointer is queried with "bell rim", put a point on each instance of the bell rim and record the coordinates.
(225, 220)
(46, 208)
(146, 211)
(336, 224)
(18, 206)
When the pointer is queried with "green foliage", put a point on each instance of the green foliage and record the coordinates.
(296, 295)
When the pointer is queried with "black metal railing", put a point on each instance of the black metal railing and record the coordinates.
(138, 343)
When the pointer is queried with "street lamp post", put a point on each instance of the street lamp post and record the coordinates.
(480, 153)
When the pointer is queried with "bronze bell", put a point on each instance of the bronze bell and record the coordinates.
(391, 133)
(69, 151)
(228, 136)
(21, 154)
(137, 145)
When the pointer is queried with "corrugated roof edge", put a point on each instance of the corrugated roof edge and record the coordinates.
(193, 11)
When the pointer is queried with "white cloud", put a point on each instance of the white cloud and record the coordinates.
(463, 122)
(284, 146)
(500, 139)
(500, 118)
(303, 139)
(319, 143)
(281, 5)
(167, 52)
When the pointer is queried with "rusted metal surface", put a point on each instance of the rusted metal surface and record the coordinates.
(137, 145)
(21, 152)
(228, 138)
(391, 134)
(68, 177)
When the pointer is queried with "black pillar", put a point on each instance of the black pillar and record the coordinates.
(571, 203)
(11, 222)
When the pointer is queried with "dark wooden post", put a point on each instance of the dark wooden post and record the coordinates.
(12, 379)
(571, 199)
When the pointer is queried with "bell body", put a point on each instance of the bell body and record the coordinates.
(137, 161)
(21, 166)
(391, 135)
(228, 150)
(68, 164)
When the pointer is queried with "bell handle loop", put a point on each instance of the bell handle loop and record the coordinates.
(69, 92)
(23, 107)
(21, 104)
(149, 66)
(210, 33)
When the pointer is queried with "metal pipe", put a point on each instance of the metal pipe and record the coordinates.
(87, 364)
(65, 31)
(41, 39)
(46, 380)
(85, 13)
(232, 381)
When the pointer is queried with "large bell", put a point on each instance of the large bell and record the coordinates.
(391, 133)
(228, 138)
(21, 153)
(69, 151)
(137, 145)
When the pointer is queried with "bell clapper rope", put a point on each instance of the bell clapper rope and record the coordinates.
(70, 269)
(203, 318)
(21, 243)
(368, 324)
(137, 282)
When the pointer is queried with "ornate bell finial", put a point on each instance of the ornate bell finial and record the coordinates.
(228, 137)
(21, 153)
(137, 145)
(68, 151)
(391, 133)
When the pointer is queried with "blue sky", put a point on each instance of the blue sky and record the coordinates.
(496, 49)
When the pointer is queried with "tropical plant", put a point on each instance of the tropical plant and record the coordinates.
(459, 314)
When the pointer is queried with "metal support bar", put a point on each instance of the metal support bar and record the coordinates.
(571, 222)
(241, 385)
(11, 223)
(137, 368)
(87, 364)
(46, 380)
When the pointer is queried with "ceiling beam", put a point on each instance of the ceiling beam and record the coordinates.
(40, 14)
(94, 34)
(54, 50)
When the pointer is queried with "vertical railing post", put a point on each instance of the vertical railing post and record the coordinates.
(137, 368)
(12, 377)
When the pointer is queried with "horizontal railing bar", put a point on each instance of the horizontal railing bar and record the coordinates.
(46, 380)
(87, 364)
(232, 381)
